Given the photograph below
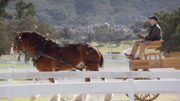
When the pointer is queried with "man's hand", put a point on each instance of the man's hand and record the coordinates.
(141, 36)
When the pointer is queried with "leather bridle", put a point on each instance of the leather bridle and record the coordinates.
(18, 42)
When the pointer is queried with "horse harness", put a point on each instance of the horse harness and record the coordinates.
(40, 53)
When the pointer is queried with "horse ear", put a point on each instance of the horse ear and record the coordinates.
(17, 33)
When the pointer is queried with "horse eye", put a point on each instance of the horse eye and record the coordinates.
(16, 38)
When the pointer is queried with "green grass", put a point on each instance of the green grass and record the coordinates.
(9, 57)
(3, 65)
(115, 64)
(115, 48)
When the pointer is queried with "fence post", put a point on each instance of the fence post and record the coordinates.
(131, 89)
(10, 81)
(83, 79)
(6, 65)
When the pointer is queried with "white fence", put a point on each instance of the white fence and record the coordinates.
(130, 86)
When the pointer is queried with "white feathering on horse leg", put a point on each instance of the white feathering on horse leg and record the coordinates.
(108, 97)
(34, 97)
(79, 98)
(11, 51)
(56, 97)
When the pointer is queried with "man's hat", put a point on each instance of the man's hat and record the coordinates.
(154, 17)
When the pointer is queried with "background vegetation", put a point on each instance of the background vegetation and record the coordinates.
(86, 12)
(170, 24)
(23, 20)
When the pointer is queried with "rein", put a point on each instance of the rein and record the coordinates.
(34, 46)
(40, 53)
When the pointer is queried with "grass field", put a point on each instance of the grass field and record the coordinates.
(113, 47)
(3, 65)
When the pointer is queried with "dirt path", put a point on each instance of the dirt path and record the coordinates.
(126, 50)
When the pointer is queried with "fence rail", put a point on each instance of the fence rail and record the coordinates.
(130, 86)
(91, 74)
(134, 86)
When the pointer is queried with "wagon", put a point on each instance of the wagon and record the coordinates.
(154, 60)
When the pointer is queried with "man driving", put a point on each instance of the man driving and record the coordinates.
(155, 34)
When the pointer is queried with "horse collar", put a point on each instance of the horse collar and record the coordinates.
(39, 51)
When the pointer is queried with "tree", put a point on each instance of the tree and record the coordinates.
(169, 22)
(24, 22)
(66, 33)
(4, 40)
(170, 26)
(3, 13)
(25, 9)
(3, 33)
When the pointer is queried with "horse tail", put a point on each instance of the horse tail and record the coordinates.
(102, 60)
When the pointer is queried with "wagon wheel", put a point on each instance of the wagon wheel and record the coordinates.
(146, 97)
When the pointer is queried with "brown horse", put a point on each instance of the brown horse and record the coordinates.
(50, 56)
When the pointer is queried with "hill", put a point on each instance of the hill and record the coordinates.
(84, 12)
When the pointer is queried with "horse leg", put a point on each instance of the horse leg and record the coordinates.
(35, 96)
(108, 97)
(52, 80)
(56, 97)
(86, 96)
(89, 68)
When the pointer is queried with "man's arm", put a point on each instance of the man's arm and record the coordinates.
(155, 32)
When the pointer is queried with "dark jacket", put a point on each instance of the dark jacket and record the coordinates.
(154, 34)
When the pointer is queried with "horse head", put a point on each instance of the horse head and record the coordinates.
(18, 44)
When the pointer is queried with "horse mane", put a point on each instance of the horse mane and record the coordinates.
(36, 34)
(32, 34)
(50, 41)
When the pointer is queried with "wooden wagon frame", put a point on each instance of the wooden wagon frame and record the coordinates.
(154, 60)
